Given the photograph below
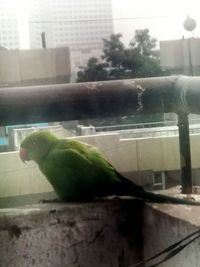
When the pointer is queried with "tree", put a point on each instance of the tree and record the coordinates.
(94, 71)
(114, 51)
(139, 59)
(148, 57)
(144, 42)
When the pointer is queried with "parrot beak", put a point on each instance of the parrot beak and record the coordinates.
(23, 154)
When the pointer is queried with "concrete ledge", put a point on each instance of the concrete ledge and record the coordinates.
(166, 224)
(107, 233)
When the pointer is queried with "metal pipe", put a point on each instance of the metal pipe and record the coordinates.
(99, 99)
(86, 100)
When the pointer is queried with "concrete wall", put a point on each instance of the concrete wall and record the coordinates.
(98, 234)
(127, 155)
(182, 55)
(166, 224)
(40, 66)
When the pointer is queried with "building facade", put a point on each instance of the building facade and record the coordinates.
(76, 23)
(9, 30)
(79, 24)
(181, 56)
(35, 66)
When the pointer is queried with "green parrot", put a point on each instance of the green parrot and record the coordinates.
(79, 172)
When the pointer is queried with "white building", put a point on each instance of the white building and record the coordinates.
(76, 23)
(9, 30)
(79, 24)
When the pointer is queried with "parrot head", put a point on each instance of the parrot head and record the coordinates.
(36, 146)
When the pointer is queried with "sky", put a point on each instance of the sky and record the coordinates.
(164, 19)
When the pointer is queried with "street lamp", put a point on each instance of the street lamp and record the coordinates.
(189, 24)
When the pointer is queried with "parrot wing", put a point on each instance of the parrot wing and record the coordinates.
(74, 175)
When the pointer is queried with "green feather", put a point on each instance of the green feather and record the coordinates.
(79, 172)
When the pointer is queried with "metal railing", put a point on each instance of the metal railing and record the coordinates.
(134, 132)
(164, 123)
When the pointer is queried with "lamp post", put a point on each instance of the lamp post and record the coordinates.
(183, 125)
(189, 24)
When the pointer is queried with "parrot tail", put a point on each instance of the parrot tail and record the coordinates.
(130, 188)
(158, 198)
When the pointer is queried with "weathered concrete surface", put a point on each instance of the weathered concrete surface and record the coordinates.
(166, 224)
(37, 66)
(97, 234)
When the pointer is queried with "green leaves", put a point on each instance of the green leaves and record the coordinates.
(94, 71)
(139, 59)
